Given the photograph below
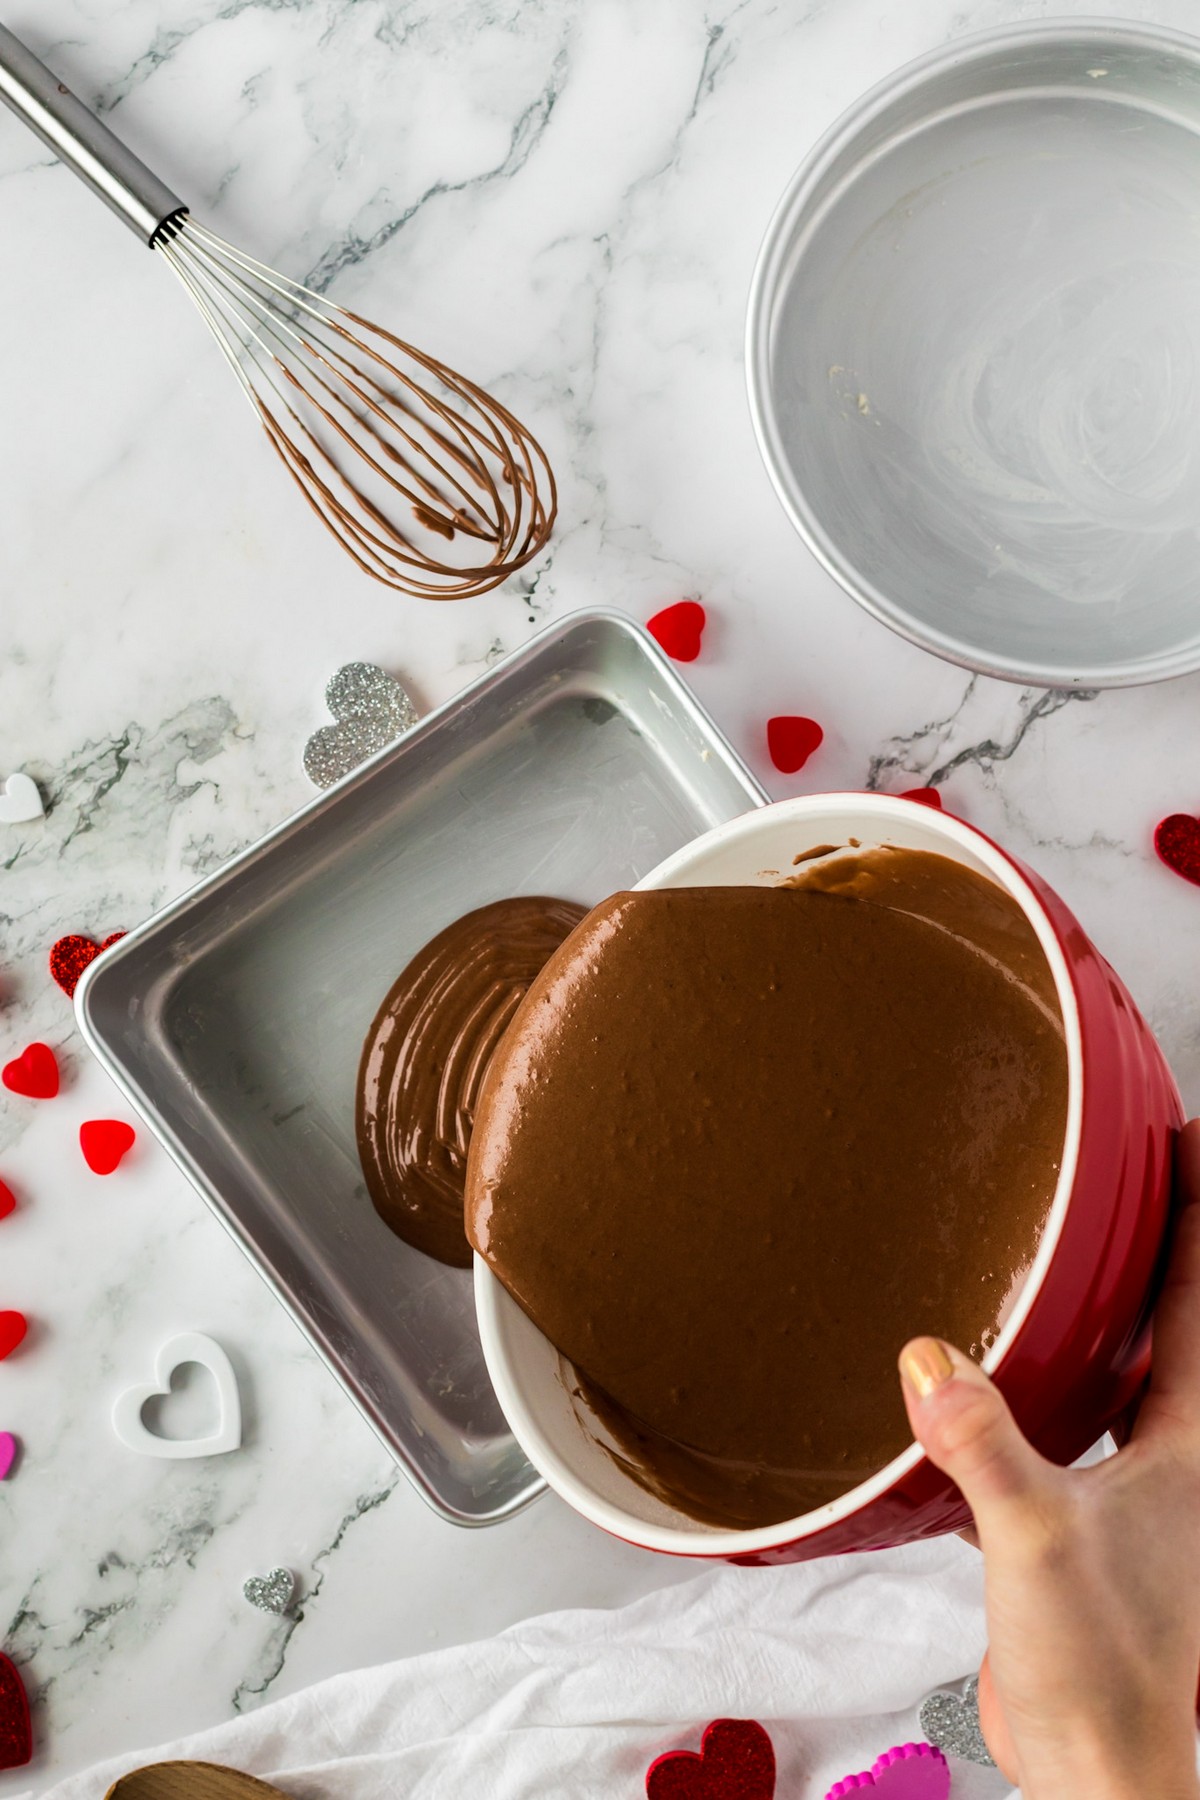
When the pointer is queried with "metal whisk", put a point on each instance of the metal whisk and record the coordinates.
(429, 483)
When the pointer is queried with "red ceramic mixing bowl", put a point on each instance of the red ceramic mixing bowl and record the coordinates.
(1075, 1348)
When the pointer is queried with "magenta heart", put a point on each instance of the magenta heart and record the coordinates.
(907, 1772)
(8, 1453)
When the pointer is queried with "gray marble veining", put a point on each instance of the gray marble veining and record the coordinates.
(563, 198)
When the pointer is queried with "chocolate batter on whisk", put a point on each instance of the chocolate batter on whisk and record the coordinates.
(428, 482)
(738, 1144)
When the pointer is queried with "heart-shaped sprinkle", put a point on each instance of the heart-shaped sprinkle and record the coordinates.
(104, 1142)
(8, 1453)
(792, 741)
(926, 796)
(16, 1731)
(70, 956)
(1177, 840)
(907, 1772)
(34, 1073)
(735, 1762)
(271, 1593)
(953, 1724)
(8, 1200)
(13, 1326)
(371, 708)
(20, 800)
(678, 629)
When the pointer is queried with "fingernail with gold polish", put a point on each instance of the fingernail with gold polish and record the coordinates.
(925, 1365)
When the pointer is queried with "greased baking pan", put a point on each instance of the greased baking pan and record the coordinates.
(233, 1019)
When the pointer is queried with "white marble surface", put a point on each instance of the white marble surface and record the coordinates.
(563, 197)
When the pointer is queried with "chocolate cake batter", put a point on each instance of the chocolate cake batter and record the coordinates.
(739, 1144)
(426, 1055)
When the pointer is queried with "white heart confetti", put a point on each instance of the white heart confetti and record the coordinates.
(189, 1347)
(20, 800)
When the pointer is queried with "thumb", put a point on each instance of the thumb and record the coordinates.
(962, 1422)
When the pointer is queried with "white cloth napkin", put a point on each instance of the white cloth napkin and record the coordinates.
(832, 1657)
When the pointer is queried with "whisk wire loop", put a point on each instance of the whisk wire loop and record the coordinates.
(363, 429)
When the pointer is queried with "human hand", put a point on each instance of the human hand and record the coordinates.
(1088, 1689)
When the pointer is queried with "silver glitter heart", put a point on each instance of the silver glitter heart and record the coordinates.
(953, 1725)
(371, 708)
(271, 1593)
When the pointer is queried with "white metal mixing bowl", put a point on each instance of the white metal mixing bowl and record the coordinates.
(973, 353)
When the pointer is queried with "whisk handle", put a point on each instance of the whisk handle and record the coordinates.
(87, 146)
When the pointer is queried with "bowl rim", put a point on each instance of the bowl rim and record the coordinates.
(491, 1297)
(764, 288)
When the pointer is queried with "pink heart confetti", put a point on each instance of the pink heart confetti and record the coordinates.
(906, 1772)
(8, 1453)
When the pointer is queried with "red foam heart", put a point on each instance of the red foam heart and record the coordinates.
(7, 1200)
(679, 629)
(13, 1326)
(792, 741)
(736, 1762)
(16, 1730)
(104, 1142)
(1177, 840)
(34, 1073)
(924, 797)
(70, 956)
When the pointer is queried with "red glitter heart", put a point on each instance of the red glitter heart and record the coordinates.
(924, 797)
(104, 1142)
(7, 1200)
(678, 629)
(16, 1731)
(792, 741)
(34, 1073)
(736, 1762)
(70, 956)
(1177, 840)
(13, 1326)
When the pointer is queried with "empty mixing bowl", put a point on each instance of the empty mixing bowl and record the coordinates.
(973, 353)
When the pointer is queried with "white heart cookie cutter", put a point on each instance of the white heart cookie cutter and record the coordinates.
(20, 799)
(188, 1347)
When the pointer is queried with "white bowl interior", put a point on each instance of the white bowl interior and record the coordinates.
(531, 1380)
(974, 347)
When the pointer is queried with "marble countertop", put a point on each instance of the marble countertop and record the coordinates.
(565, 199)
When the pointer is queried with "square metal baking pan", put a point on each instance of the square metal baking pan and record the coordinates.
(233, 1019)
